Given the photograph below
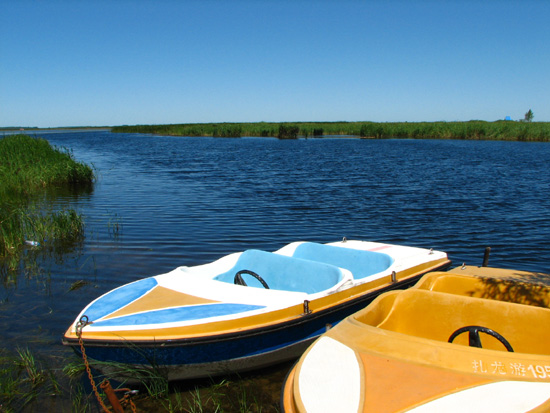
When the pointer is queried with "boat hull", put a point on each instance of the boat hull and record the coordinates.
(195, 322)
(227, 353)
(395, 355)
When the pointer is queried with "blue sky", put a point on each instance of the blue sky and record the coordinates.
(104, 63)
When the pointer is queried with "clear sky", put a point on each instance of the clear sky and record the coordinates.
(116, 62)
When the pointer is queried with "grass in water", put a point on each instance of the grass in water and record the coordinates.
(475, 129)
(29, 164)
(23, 380)
(27, 382)
(28, 167)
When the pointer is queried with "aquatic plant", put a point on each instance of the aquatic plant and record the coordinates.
(23, 380)
(26, 382)
(29, 166)
(115, 226)
(498, 130)
(32, 163)
(288, 132)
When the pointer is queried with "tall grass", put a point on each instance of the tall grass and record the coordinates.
(499, 130)
(28, 166)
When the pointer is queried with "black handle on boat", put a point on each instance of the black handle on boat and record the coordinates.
(239, 279)
(475, 341)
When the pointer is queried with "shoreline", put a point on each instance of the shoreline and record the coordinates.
(25, 131)
(470, 130)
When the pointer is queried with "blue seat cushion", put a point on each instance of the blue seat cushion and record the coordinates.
(361, 263)
(281, 272)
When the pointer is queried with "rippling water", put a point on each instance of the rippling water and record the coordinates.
(161, 202)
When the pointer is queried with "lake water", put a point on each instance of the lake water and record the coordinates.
(161, 202)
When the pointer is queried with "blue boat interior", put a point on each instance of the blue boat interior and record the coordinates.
(312, 268)
(361, 263)
(282, 272)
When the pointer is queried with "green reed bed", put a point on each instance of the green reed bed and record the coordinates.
(28, 167)
(283, 130)
(28, 164)
(499, 130)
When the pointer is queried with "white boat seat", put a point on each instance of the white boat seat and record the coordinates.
(282, 272)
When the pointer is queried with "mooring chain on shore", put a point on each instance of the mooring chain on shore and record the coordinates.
(105, 385)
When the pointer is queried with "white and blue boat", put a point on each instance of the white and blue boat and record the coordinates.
(245, 311)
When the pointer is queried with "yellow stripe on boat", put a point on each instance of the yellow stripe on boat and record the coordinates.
(238, 324)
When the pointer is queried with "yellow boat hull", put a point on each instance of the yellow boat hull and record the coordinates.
(394, 356)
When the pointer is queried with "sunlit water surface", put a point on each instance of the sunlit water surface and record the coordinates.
(161, 202)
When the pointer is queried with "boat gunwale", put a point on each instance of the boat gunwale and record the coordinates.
(250, 332)
(253, 331)
(349, 296)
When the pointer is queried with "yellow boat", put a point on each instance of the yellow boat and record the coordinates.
(420, 350)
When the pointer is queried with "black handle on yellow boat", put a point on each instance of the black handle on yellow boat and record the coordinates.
(475, 341)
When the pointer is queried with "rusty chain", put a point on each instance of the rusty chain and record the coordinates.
(126, 399)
